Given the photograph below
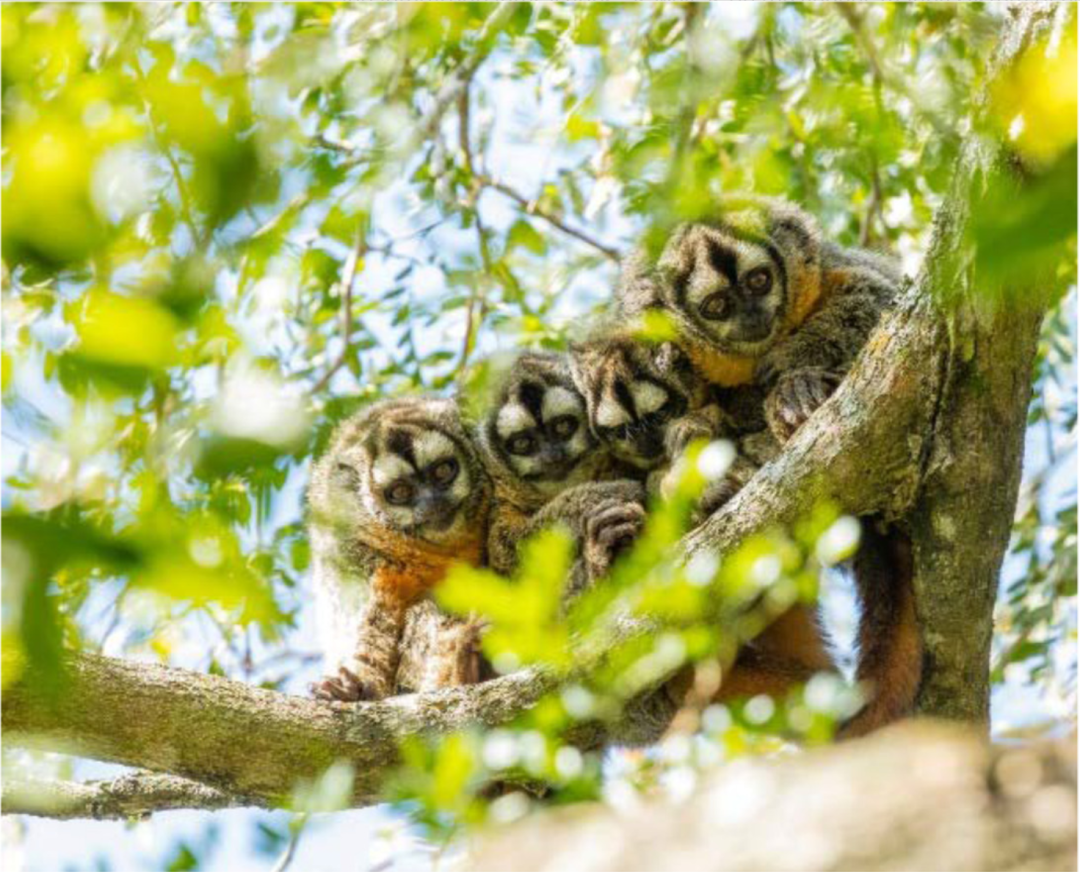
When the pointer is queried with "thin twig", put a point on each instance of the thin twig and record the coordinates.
(186, 209)
(531, 207)
(882, 78)
(477, 293)
(348, 277)
(136, 794)
(459, 79)
(297, 826)
(873, 204)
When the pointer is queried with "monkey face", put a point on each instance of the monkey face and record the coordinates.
(729, 290)
(413, 471)
(632, 391)
(419, 479)
(538, 428)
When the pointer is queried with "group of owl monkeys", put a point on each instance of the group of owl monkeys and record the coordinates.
(768, 317)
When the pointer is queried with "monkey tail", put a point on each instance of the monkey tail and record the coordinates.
(890, 650)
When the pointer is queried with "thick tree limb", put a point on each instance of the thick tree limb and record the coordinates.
(914, 797)
(252, 743)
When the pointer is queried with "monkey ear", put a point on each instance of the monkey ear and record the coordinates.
(794, 230)
(345, 475)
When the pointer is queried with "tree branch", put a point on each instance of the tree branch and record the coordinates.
(257, 744)
(243, 740)
(133, 795)
(348, 278)
(460, 77)
(532, 207)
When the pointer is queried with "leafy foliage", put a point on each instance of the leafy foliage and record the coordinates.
(228, 226)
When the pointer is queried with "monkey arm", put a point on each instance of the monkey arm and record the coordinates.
(832, 337)
(603, 517)
(708, 422)
(802, 372)
(438, 650)
(369, 671)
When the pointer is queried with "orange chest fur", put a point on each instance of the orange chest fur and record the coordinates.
(414, 571)
(731, 370)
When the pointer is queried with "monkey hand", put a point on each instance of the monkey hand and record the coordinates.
(796, 396)
(344, 686)
(610, 529)
(681, 432)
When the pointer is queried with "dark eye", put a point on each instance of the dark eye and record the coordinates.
(661, 414)
(400, 493)
(445, 472)
(564, 427)
(759, 280)
(522, 444)
(713, 307)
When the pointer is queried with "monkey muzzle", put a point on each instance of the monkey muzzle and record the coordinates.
(434, 513)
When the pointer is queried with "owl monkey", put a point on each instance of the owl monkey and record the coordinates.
(765, 306)
(548, 468)
(758, 298)
(647, 402)
(400, 493)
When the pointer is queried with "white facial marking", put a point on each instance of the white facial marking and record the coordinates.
(578, 443)
(431, 445)
(460, 488)
(705, 280)
(513, 418)
(648, 397)
(388, 468)
(525, 465)
(610, 414)
(559, 401)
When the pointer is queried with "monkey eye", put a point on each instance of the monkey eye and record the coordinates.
(445, 471)
(400, 493)
(564, 427)
(664, 412)
(714, 307)
(523, 444)
(759, 280)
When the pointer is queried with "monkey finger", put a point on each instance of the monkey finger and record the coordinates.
(348, 678)
(601, 531)
(318, 690)
(332, 690)
(609, 513)
(615, 539)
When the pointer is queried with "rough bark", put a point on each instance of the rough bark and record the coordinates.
(918, 796)
(927, 430)
(251, 743)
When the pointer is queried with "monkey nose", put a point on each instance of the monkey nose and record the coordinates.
(432, 511)
(553, 455)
